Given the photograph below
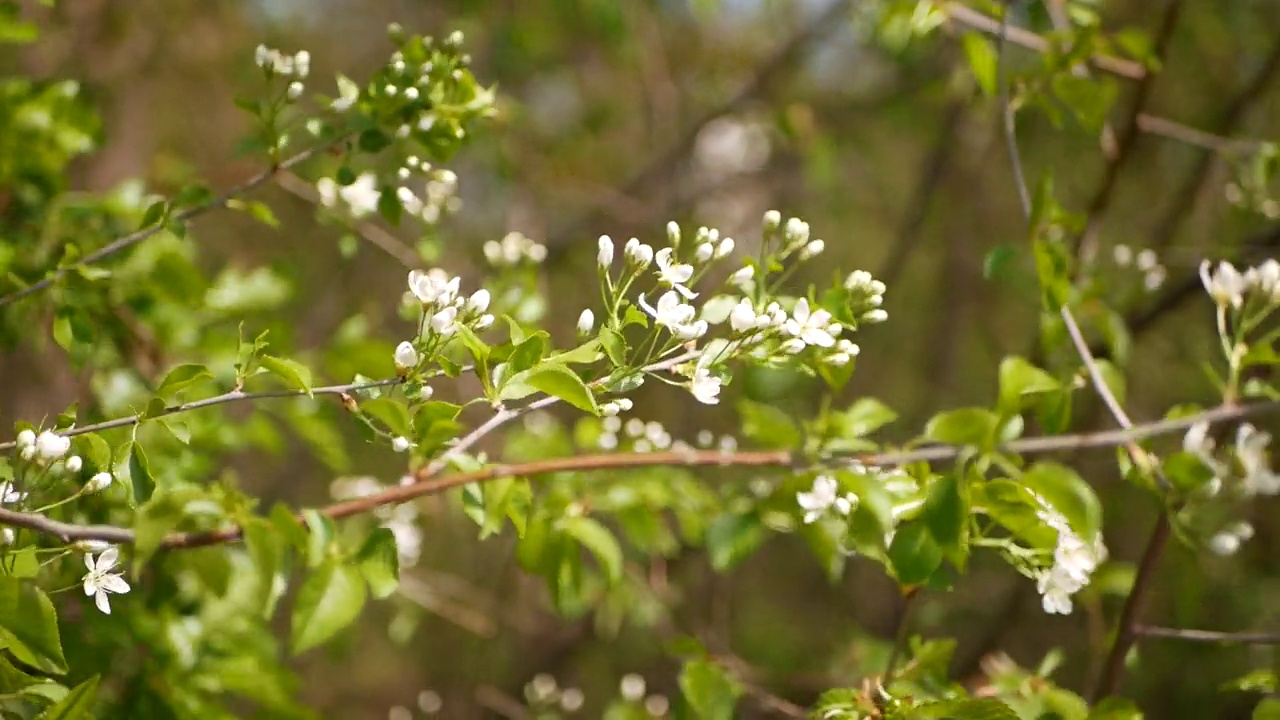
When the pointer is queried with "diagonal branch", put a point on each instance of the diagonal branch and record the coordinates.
(219, 201)
(427, 484)
(1209, 636)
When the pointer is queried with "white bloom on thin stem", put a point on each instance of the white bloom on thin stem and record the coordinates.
(743, 316)
(1225, 284)
(433, 288)
(824, 497)
(1074, 561)
(74, 463)
(810, 326)
(9, 493)
(1251, 450)
(98, 483)
(705, 386)
(479, 301)
(704, 252)
(100, 581)
(51, 446)
(671, 312)
(813, 249)
(26, 438)
(725, 247)
(673, 273)
(399, 443)
(604, 257)
(443, 321)
(405, 356)
(586, 321)
(741, 279)
(638, 253)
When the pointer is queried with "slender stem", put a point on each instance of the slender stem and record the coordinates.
(427, 484)
(1126, 632)
(1208, 636)
(904, 633)
(214, 203)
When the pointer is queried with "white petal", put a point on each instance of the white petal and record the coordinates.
(102, 602)
(107, 559)
(115, 584)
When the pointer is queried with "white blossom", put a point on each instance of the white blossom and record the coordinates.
(673, 233)
(1074, 561)
(792, 346)
(100, 581)
(405, 356)
(610, 409)
(725, 247)
(51, 446)
(1251, 450)
(443, 321)
(425, 393)
(625, 404)
(98, 483)
(741, 279)
(586, 321)
(874, 316)
(294, 90)
(638, 253)
(434, 288)
(632, 687)
(671, 312)
(823, 497)
(9, 493)
(1225, 285)
(26, 438)
(704, 252)
(673, 273)
(399, 443)
(743, 316)
(361, 196)
(604, 257)
(479, 301)
(812, 249)
(484, 321)
(772, 219)
(74, 463)
(796, 232)
(705, 386)
(811, 327)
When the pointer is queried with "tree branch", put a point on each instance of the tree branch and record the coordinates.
(427, 484)
(138, 236)
(1208, 636)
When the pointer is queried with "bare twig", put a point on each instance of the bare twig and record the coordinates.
(379, 238)
(1208, 636)
(1113, 668)
(427, 484)
(213, 203)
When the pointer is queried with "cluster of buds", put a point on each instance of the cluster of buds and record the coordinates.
(1230, 288)
(277, 64)
(1145, 261)
(362, 197)
(444, 308)
(50, 451)
(514, 249)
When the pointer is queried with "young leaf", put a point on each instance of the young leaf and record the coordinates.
(710, 692)
(380, 562)
(329, 600)
(29, 626)
(732, 537)
(292, 372)
(558, 380)
(1019, 379)
(599, 541)
(914, 554)
(965, 426)
(140, 475)
(76, 705)
(768, 426)
(181, 378)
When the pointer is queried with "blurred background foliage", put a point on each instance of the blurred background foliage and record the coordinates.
(617, 116)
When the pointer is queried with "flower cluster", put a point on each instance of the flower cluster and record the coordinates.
(1230, 288)
(1251, 472)
(48, 451)
(275, 62)
(1145, 261)
(1074, 562)
(361, 198)
(514, 249)
(825, 499)
(444, 308)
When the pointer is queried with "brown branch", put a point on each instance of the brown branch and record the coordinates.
(427, 484)
(1208, 636)
(1126, 633)
(1086, 244)
(765, 76)
(127, 241)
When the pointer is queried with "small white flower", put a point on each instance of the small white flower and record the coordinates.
(586, 321)
(484, 322)
(812, 249)
(1224, 543)
(425, 393)
(1225, 285)
(743, 316)
(26, 438)
(838, 359)
(479, 301)
(741, 279)
(874, 316)
(302, 63)
(610, 409)
(604, 257)
(399, 443)
(74, 463)
(725, 247)
(433, 288)
(51, 446)
(632, 687)
(705, 386)
(261, 55)
(673, 233)
(100, 581)
(98, 483)
(625, 404)
(443, 321)
(9, 493)
(1251, 450)
(673, 273)
(411, 93)
(1122, 254)
(405, 356)
(691, 331)
(848, 347)
(7, 536)
(772, 219)
(792, 346)
(704, 252)
(796, 232)
(823, 497)
(295, 90)
(671, 312)
(638, 253)
(811, 327)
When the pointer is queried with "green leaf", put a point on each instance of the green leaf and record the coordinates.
(140, 475)
(320, 539)
(286, 522)
(967, 709)
(1186, 471)
(996, 262)
(946, 514)
(76, 704)
(29, 626)
(768, 426)
(732, 537)
(1268, 709)
(183, 377)
(1069, 494)
(1020, 379)
(965, 426)
(614, 346)
(379, 562)
(255, 209)
(393, 414)
(155, 519)
(584, 354)
(329, 600)
(865, 416)
(1115, 708)
(292, 372)
(155, 213)
(263, 542)
(914, 554)
(982, 61)
(710, 692)
(559, 381)
(597, 539)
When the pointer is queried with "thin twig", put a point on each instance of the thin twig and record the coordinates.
(427, 485)
(1208, 636)
(228, 397)
(1113, 668)
(903, 634)
(763, 78)
(138, 236)
(379, 238)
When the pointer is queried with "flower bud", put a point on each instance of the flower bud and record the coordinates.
(673, 233)
(874, 316)
(604, 257)
(405, 356)
(586, 321)
(793, 346)
(7, 536)
(742, 278)
(610, 409)
(484, 322)
(98, 483)
(772, 220)
(295, 90)
(425, 393)
(625, 403)
(704, 252)
(814, 248)
(26, 438)
(399, 443)
(479, 301)
(725, 247)
(51, 446)
(74, 463)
